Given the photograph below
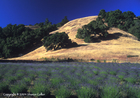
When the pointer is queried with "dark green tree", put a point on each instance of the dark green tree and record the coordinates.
(17, 39)
(102, 13)
(135, 30)
(20, 28)
(88, 39)
(138, 17)
(7, 31)
(1, 47)
(137, 22)
(1, 33)
(128, 15)
(94, 27)
(41, 24)
(112, 22)
(107, 17)
(82, 33)
(64, 21)
(114, 18)
(57, 41)
(47, 23)
(6, 51)
(128, 24)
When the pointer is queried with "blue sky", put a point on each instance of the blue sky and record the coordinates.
(35, 11)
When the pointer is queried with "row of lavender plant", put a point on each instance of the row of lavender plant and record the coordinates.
(105, 80)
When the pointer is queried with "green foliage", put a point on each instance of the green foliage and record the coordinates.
(113, 18)
(112, 21)
(18, 38)
(102, 13)
(124, 21)
(64, 21)
(128, 56)
(138, 17)
(87, 39)
(19, 88)
(57, 41)
(62, 92)
(94, 27)
(40, 88)
(41, 24)
(98, 61)
(82, 33)
(128, 24)
(135, 30)
(128, 15)
(116, 19)
(4, 88)
(120, 26)
(105, 34)
(137, 22)
(41, 32)
(47, 22)
(86, 92)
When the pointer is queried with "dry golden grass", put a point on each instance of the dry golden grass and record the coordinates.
(124, 44)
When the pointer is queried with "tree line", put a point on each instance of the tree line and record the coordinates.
(126, 21)
(15, 39)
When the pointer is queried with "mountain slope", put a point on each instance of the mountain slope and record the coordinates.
(118, 45)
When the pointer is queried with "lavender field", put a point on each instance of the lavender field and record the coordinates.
(64, 79)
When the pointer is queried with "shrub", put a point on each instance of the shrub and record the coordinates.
(57, 41)
(4, 88)
(102, 13)
(82, 33)
(19, 88)
(62, 93)
(40, 88)
(132, 56)
(135, 31)
(87, 39)
(98, 61)
(94, 27)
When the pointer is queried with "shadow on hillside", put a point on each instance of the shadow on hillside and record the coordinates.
(109, 37)
(78, 45)
(45, 60)
(29, 49)
(94, 40)
(71, 46)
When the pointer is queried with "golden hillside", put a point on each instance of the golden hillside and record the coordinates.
(118, 46)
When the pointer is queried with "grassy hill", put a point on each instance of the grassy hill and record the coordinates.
(118, 45)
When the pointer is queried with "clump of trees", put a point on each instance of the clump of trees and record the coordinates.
(16, 39)
(58, 41)
(95, 27)
(125, 21)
